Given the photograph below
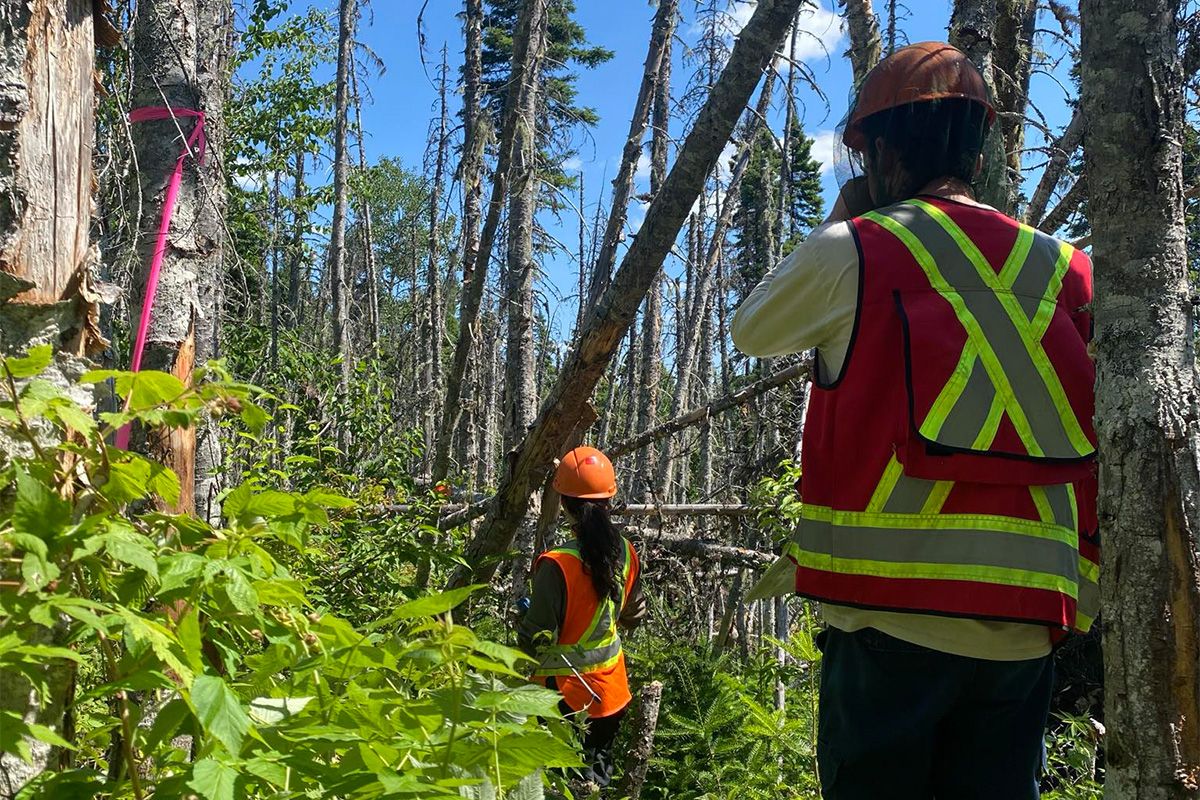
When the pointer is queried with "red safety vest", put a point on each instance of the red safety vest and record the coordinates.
(588, 642)
(950, 468)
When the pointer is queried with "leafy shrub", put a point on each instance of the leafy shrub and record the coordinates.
(202, 665)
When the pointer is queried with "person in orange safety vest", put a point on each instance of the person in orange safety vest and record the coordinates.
(949, 523)
(583, 592)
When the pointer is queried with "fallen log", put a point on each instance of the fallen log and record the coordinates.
(697, 415)
(638, 760)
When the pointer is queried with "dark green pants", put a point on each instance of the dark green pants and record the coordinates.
(904, 722)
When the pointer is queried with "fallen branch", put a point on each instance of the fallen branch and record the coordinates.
(698, 415)
(726, 554)
(1061, 151)
(453, 514)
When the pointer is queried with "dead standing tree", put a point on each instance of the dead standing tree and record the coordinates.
(1146, 399)
(609, 321)
(179, 58)
(47, 109)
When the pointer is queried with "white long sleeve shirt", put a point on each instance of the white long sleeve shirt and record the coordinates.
(809, 301)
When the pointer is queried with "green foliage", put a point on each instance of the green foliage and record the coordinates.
(178, 628)
(719, 735)
(1072, 749)
(777, 503)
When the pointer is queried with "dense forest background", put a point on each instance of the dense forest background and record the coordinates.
(247, 603)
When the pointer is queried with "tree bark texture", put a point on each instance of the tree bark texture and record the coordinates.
(296, 255)
(1146, 403)
(339, 288)
(475, 278)
(434, 314)
(637, 762)
(865, 44)
(1012, 67)
(47, 295)
(520, 388)
(608, 322)
(179, 62)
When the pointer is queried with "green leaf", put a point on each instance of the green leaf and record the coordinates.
(213, 780)
(73, 417)
(37, 571)
(181, 569)
(433, 604)
(133, 549)
(188, 631)
(37, 509)
(274, 710)
(220, 711)
(280, 592)
(34, 362)
(255, 418)
(146, 633)
(150, 388)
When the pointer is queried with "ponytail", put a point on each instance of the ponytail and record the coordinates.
(601, 547)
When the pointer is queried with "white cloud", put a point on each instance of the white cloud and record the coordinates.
(740, 14)
(642, 171)
(821, 33)
(823, 147)
(249, 183)
(572, 164)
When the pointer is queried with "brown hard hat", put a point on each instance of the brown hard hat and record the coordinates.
(586, 473)
(917, 73)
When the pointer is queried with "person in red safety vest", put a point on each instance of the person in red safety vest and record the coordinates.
(583, 592)
(948, 477)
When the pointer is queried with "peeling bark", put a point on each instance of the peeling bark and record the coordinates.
(1146, 403)
(865, 44)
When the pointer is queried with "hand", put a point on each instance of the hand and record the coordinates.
(854, 200)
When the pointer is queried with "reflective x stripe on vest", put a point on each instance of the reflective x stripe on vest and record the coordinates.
(600, 646)
(1003, 366)
(1003, 370)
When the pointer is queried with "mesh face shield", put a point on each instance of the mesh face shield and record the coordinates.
(921, 115)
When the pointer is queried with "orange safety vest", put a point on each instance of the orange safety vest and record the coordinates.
(588, 643)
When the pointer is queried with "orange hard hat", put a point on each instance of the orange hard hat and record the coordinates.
(585, 473)
(914, 74)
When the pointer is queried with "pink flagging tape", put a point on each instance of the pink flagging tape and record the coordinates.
(197, 143)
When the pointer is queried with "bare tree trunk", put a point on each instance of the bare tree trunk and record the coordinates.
(476, 260)
(865, 44)
(1061, 151)
(296, 273)
(1146, 403)
(365, 224)
(617, 308)
(276, 257)
(47, 107)
(614, 232)
(179, 57)
(520, 391)
(347, 18)
(973, 30)
(434, 315)
(637, 762)
(1012, 67)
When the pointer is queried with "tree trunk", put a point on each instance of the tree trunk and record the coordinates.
(179, 61)
(1146, 403)
(347, 17)
(296, 273)
(365, 224)
(614, 232)
(1012, 67)
(520, 391)
(433, 294)
(47, 293)
(606, 327)
(475, 261)
(865, 44)
(973, 30)
(1061, 151)
(637, 762)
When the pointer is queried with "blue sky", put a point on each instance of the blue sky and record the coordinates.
(404, 99)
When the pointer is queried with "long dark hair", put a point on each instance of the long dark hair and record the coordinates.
(600, 544)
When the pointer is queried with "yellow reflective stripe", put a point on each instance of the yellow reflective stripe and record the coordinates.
(1074, 506)
(1038, 493)
(982, 522)
(937, 498)
(1025, 329)
(987, 434)
(991, 361)
(961, 572)
(939, 412)
(1083, 623)
(583, 670)
(1016, 257)
(887, 484)
(1089, 570)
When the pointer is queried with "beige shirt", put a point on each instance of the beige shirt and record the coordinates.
(809, 300)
